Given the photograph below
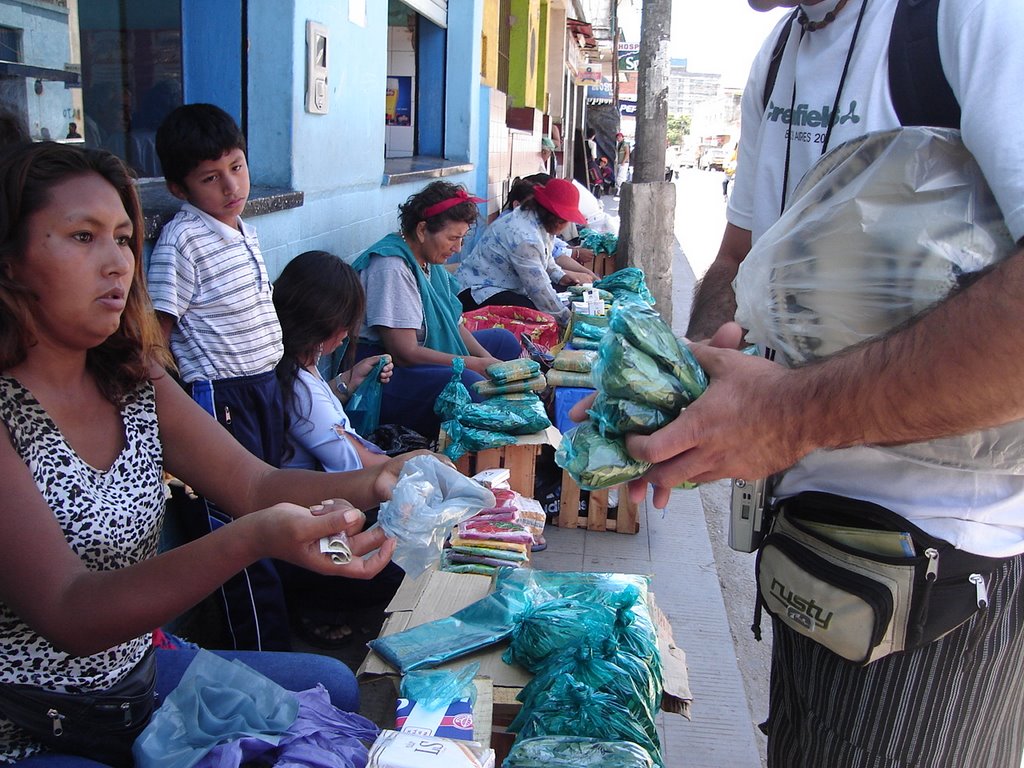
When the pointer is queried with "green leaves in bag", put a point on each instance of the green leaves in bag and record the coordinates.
(624, 371)
(615, 416)
(595, 461)
(645, 330)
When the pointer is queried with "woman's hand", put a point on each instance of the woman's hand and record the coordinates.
(362, 369)
(569, 279)
(480, 364)
(387, 473)
(292, 533)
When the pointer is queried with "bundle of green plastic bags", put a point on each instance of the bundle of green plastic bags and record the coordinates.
(645, 376)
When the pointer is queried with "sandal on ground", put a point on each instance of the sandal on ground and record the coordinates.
(326, 636)
(540, 545)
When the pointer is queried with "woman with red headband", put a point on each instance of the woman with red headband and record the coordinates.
(413, 313)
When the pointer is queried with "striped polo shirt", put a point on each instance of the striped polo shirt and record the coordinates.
(212, 280)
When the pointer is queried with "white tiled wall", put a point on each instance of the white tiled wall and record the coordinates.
(398, 139)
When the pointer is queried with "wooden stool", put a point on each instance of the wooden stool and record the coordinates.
(596, 519)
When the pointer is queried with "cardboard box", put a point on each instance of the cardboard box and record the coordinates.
(438, 594)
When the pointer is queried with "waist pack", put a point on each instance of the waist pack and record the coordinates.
(863, 581)
(102, 726)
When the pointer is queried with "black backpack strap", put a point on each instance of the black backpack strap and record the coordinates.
(920, 92)
(776, 59)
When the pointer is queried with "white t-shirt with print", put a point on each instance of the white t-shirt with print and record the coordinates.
(979, 42)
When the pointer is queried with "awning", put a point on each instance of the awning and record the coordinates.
(70, 79)
(582, 29)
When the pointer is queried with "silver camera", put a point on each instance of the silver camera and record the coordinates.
(748, 520)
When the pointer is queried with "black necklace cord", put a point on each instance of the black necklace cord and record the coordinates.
(833, 113)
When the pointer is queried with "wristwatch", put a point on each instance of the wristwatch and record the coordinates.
(340, 386)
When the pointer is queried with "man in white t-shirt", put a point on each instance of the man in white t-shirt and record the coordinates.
(958, 701)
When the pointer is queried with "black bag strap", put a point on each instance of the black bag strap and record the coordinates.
(776, 59)
(921, 95)
(920, 92)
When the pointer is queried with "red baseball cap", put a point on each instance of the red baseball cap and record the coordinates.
(561, 198)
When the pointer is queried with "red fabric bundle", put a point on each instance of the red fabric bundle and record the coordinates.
(539, 326)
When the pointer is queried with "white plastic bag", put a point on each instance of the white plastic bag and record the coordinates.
(880, 229)
(428, 499)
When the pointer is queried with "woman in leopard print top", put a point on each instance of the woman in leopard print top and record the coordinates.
(90, 420)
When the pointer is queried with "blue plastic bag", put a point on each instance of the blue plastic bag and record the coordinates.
(363, 408)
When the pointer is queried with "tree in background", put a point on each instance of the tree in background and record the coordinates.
(678, 126)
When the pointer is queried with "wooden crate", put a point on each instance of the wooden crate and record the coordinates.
(627, 518)
(519, 460)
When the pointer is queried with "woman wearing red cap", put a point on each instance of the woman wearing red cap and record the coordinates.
(412, 312)
(512, 263)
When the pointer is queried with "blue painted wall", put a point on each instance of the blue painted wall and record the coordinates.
(337, 159)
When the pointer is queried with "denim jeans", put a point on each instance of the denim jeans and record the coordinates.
(294, 671)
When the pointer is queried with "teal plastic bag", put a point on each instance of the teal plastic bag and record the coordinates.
(436, 688)
(644, 329)
(470, 439)
(576, 752)
(363, 408)
(626, 281)
(454, 397)
(216, 701)
(595, 461)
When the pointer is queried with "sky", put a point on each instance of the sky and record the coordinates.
(712, 35)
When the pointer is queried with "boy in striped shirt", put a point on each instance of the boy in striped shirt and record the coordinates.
(212, 294)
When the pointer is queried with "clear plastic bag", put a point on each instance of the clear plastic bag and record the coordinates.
(880, 229)
(428, 499)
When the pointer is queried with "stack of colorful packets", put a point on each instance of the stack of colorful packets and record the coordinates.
(470, 553)
(487, 541)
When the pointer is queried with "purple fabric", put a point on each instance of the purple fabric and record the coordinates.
(322, 736)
